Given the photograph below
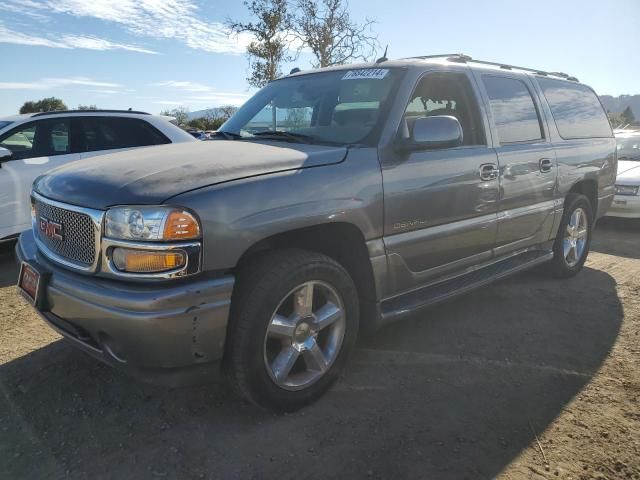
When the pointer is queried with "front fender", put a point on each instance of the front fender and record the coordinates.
(237, 215)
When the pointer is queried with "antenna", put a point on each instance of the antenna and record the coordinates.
(383, 58)
(294, 70)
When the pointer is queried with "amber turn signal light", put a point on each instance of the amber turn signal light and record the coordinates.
(180, 225)
(143, 261)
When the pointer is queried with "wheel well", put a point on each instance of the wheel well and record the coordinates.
(344, 243)
(588, 188)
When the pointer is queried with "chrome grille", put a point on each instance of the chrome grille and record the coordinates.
(78, 242)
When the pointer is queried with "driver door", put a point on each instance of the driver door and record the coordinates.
(37, 147)
(440, 204)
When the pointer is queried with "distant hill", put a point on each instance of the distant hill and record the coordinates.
(618, 104)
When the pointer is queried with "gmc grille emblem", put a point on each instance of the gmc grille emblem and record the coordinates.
(51, 229)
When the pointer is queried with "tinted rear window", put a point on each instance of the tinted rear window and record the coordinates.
(514, 111)
(576, 109)
(108, 133)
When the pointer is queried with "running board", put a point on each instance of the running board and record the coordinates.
(407, 303)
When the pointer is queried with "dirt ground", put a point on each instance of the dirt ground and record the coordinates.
(529, 379)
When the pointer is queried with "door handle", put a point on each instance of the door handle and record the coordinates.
(489, 171)
(546, 164)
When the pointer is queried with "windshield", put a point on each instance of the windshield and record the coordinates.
(4, 124)
(629, 148)
(340, 107)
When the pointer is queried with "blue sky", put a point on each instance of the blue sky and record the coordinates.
(157, 54)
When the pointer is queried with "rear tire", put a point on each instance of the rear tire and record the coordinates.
(294, 321)
(573, 239)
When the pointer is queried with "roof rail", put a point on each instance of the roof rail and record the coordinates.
(59, 112)
(462, 58)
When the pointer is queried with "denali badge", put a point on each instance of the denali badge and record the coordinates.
(51, 229)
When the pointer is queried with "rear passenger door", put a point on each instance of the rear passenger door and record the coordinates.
(528, 167)
(100, 135)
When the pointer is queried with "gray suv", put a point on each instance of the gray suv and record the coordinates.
(333, 202)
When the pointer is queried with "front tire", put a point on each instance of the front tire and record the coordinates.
(294, 321)
(573, 240)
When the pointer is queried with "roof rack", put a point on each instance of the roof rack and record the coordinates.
(59, 112)
(462, 58)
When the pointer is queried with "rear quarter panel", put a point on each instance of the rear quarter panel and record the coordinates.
(591, 159)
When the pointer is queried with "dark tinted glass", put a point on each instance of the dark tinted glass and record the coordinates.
(576, 109)
(43, 138)
(514, 111)
(108, 133)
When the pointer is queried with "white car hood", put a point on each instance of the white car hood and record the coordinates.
(628, 172)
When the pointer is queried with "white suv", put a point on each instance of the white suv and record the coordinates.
(32, 144)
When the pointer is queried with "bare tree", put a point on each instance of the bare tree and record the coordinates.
(325, 27)
(270, 46)
(180, 115)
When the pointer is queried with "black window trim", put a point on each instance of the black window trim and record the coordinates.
(25, 125)
(604, 110)
(543, 138)
(475, 97)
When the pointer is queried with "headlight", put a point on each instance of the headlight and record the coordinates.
(151, 224)
(627, 189)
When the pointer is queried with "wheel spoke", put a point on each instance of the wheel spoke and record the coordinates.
(581, 233)
(303, 300)
(327, 315)
(313, 356)
(281, 327)
(567, 248)
(284, 362)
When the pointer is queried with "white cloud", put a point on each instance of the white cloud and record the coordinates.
(67, 42)
(160, 19)
(51, 83)
(168, 102)
(94, 43)
(182, 85)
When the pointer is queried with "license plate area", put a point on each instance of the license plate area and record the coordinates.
(31, 283)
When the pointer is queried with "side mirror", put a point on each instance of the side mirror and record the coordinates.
(442, 131)
(5, 154)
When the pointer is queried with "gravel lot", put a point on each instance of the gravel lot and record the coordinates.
(530, 378)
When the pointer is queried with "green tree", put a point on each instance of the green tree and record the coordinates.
(45, 105)
(627, 115)
(180, 114)
(269, 48)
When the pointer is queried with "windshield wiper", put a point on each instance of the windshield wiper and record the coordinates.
(287, 136)
(227, 135)
(624, 157)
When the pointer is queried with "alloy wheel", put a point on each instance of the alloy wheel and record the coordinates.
(304, 335)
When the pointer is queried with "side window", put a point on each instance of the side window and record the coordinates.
(447, 94)
(43, 138)
(514, 111)
(575, 109)
(109, 133)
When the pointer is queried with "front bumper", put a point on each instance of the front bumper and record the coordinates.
(625, 206)
(171, 333)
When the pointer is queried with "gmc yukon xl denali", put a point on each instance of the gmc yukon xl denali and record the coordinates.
(333, 202)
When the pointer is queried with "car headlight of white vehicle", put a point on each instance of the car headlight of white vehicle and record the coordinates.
(627, 189)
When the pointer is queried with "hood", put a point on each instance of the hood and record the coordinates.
(628, 171)
(151, 175)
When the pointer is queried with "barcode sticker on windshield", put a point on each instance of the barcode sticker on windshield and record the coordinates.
(368, 74)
